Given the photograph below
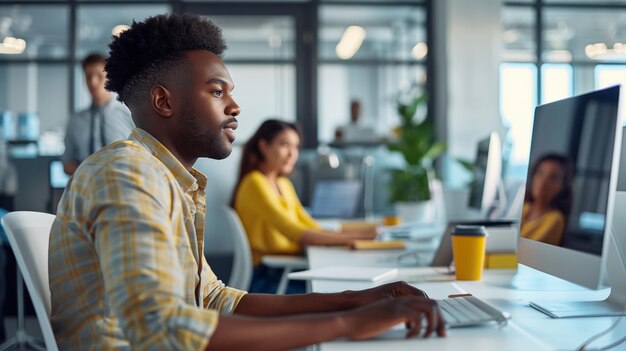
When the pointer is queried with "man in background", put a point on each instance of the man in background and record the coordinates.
(356, 130)
(104, 122)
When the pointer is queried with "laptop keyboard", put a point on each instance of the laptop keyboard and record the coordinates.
(467, 310)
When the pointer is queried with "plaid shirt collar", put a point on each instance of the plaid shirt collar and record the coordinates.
(189, 180)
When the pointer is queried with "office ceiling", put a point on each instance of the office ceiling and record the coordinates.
(566, 31)
(45, 27)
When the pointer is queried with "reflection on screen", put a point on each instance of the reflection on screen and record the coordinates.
(571, 155)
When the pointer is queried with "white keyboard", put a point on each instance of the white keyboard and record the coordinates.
(467, 310)
(461, 311)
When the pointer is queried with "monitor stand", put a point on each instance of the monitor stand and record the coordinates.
(614, 305)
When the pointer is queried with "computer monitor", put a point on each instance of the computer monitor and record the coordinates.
(485, 195)
(58, 178)
(570, 187)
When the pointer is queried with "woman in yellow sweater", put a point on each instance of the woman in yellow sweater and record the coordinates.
(267, 203)
(548, 200)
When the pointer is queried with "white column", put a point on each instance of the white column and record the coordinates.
(473, 47)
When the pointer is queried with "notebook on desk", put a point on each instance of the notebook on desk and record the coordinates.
(371, 274)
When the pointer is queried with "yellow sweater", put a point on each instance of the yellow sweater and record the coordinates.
(548, 228)
(273, 222)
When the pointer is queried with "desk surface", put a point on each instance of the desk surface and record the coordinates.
(508, 290)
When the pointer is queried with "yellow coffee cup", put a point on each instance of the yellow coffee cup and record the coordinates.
(390, 220)
(468, 250)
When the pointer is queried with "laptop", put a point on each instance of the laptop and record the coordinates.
(443, 255)
(336, 198)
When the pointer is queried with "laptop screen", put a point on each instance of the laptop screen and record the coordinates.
(336, 198)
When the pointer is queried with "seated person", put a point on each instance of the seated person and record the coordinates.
(126, 254)
(355, 131)
(550, 192)
(267, 203)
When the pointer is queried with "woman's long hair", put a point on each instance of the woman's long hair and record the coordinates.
(563, 199)
(252, 156)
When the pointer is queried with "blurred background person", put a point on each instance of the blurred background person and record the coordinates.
(356, 130)
(550, 192)
(104, 122)
(270, 210)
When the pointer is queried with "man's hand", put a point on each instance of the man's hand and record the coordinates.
(369, 321)
(239, 332)
(384, 292)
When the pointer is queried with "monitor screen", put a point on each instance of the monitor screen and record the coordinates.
(487, 175)
(621, 179)
(479, 173)
(567, 187)
(58, 178)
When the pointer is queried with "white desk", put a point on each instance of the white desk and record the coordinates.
(508, 290)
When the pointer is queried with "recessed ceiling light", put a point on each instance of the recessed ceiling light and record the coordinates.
(117, 30)
(420, 50)
(350, 42)
(12, 46)
(600, 51)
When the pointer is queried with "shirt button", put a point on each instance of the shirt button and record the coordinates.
(194, 187)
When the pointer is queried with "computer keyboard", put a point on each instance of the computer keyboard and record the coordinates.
(468, 310)
(458, 311)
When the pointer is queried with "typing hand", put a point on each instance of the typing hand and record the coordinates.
(369, 233)
(372, 320)
(387, 291)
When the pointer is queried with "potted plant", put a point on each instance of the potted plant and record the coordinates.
(410, 188)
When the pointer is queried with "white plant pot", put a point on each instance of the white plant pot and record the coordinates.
(416, 212)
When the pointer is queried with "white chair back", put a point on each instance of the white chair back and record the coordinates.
(29, 234)
(241, 274)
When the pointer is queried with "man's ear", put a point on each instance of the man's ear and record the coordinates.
(161, 101)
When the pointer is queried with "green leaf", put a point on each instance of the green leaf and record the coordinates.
(417, 144)
(435, 151)
(410, 185)
(468, 165)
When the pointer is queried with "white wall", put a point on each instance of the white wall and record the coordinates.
(473, 46)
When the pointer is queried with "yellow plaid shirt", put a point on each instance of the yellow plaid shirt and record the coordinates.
(126, 261)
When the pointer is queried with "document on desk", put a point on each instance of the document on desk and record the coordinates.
(372, 274)
(412, 231)
(425, 274)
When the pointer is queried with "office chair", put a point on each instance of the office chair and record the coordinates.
(29, 234)
(241, 275)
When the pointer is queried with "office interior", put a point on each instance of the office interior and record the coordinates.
(484, 66)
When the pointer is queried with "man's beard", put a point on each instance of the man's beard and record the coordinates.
(204, 143)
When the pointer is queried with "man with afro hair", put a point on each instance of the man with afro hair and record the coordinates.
(126, 262)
